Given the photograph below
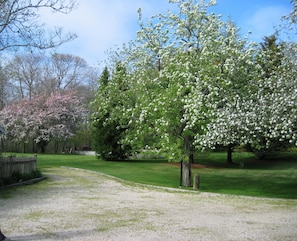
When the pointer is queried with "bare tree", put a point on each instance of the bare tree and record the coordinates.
(33, 73)
(3, 82)
(25, 72)
(64, 71)
(19, 25)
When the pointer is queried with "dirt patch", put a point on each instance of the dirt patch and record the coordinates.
(193, 165)
(73, 204)
(200, 166)
(196, 166)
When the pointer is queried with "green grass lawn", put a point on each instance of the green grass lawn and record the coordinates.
(274, 177)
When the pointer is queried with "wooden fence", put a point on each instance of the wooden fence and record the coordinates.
(11, 164)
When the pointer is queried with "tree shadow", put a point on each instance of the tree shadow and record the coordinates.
(144, 160)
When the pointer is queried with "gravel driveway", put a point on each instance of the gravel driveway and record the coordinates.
(73, 204)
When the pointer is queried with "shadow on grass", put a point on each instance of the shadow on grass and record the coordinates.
(158, 160)
(272, 161)
(263, 186)
(274, 176)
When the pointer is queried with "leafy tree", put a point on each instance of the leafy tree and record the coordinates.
(274, 98)
(179, 64)
(166, 63)
(104, 78)
(19, 26)
(109, 127)
(270, 56)
(194, 83)
(199, 68)
(227, 72)
(260, 111)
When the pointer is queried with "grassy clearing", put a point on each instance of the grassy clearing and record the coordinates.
(274, 177)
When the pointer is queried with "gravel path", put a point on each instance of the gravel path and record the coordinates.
(81, 205)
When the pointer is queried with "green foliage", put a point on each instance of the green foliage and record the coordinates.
(271, 55)
(108, 128)
(190, 81)
(106, 141)
(17, 177)
(104, 78)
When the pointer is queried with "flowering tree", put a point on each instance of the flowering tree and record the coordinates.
(43, 119)
(182, 72)
(19, 122)
(261, 112)
(197, 84)
(273, 115)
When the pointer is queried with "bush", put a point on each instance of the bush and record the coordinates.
(107, 141)
(17, 177)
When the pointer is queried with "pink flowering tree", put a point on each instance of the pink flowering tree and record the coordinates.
(43, 119)
(19, 122)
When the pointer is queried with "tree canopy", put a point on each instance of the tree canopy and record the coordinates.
(108, 122)
(197, 84)
(42, 119)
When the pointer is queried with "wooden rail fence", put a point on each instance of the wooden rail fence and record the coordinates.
(11, 164)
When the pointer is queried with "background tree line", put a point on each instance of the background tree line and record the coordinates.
(31, 79)
(26, 75)
(44, 97)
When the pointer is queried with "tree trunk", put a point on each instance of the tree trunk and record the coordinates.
(186, 167)
(191, 157)
(56, 147)
(33, 146)
(229, 154)
(42, 145)
(2, 144)
(24, 147)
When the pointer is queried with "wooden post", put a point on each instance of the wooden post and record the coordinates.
(196, 182)
(181, 174)
(186, 173)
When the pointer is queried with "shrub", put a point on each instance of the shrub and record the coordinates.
(17, 177)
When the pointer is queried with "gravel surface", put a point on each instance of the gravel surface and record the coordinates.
(73, 204)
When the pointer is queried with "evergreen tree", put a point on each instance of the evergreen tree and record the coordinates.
(107, 128)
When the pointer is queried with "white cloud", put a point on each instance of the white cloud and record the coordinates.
(101, 25)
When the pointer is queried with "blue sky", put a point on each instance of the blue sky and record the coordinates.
(105, 24)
